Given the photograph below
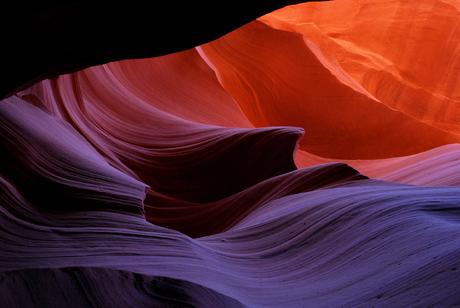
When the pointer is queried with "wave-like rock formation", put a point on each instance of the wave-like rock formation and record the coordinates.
(179, 158)
(55, 167)
(358, 242)
(309, 158)
(203, 219)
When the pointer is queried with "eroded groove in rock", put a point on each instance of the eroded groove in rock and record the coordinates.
(197, 220)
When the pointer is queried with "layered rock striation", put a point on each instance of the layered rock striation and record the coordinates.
(308, 158)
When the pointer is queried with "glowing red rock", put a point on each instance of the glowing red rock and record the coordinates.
(278, 78)
(405, 54)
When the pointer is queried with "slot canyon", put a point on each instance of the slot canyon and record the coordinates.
(230, 154)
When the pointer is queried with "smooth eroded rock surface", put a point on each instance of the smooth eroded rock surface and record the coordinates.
(309, 158)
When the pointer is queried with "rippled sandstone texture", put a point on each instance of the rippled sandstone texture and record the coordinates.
(289, 163)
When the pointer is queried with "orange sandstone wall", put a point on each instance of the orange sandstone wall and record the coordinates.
(280, 78)
(404, 53)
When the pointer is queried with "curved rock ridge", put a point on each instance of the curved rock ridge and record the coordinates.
(181, 84)
(435, 167)
(405, 54)
(279, 78)
(92, 285)
(197, 220)
(55, 167)
(175, 157)
(61, 40)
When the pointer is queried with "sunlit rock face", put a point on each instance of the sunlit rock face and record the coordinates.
(293, 82)
(309, 158)
(405, 54)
